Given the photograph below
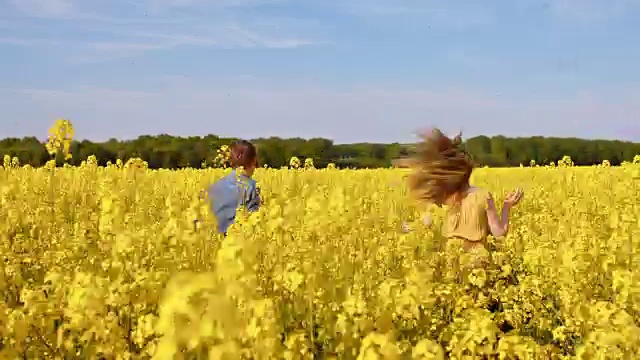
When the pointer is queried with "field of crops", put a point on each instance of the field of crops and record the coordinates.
(109, 263)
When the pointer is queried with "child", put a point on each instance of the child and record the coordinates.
(238, 188)
(441, 177)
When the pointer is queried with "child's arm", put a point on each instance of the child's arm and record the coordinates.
(499, 225)
(252, 199)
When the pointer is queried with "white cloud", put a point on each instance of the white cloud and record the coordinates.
(44, 8)
(229, 37)
(438, 13)
(160, 5)
(584, 11)
(24, 42)
(16, 41)
(252, 109)
(137, 31)
(79, 9)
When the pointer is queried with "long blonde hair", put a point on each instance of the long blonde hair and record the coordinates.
(441, 168)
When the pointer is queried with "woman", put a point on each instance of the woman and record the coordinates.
(442, 170)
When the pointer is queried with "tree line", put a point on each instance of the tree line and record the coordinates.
(172, 152)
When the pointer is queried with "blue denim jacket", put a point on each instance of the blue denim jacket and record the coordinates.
(229, 193)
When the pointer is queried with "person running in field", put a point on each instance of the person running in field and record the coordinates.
(237, 189)
(442, 170)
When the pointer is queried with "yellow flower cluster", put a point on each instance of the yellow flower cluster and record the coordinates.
(60, 137)
(106, 262)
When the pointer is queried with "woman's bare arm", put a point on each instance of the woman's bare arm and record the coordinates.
(427, 220)
(499, 225)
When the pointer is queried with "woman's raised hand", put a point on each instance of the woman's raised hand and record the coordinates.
(513, 198)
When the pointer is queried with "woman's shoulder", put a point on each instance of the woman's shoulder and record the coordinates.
(477, 195)
(474, 190)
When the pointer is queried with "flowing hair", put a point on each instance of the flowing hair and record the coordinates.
(441, 168)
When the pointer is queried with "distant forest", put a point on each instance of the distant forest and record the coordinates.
(171, 152)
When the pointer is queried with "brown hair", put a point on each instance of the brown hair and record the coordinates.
(441, 168)
(243, 154)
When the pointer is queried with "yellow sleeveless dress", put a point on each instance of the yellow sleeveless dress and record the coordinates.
(467, 229)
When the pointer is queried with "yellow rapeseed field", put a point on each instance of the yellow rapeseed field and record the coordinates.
(115, 263)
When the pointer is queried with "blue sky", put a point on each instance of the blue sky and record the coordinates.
(349, 70)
